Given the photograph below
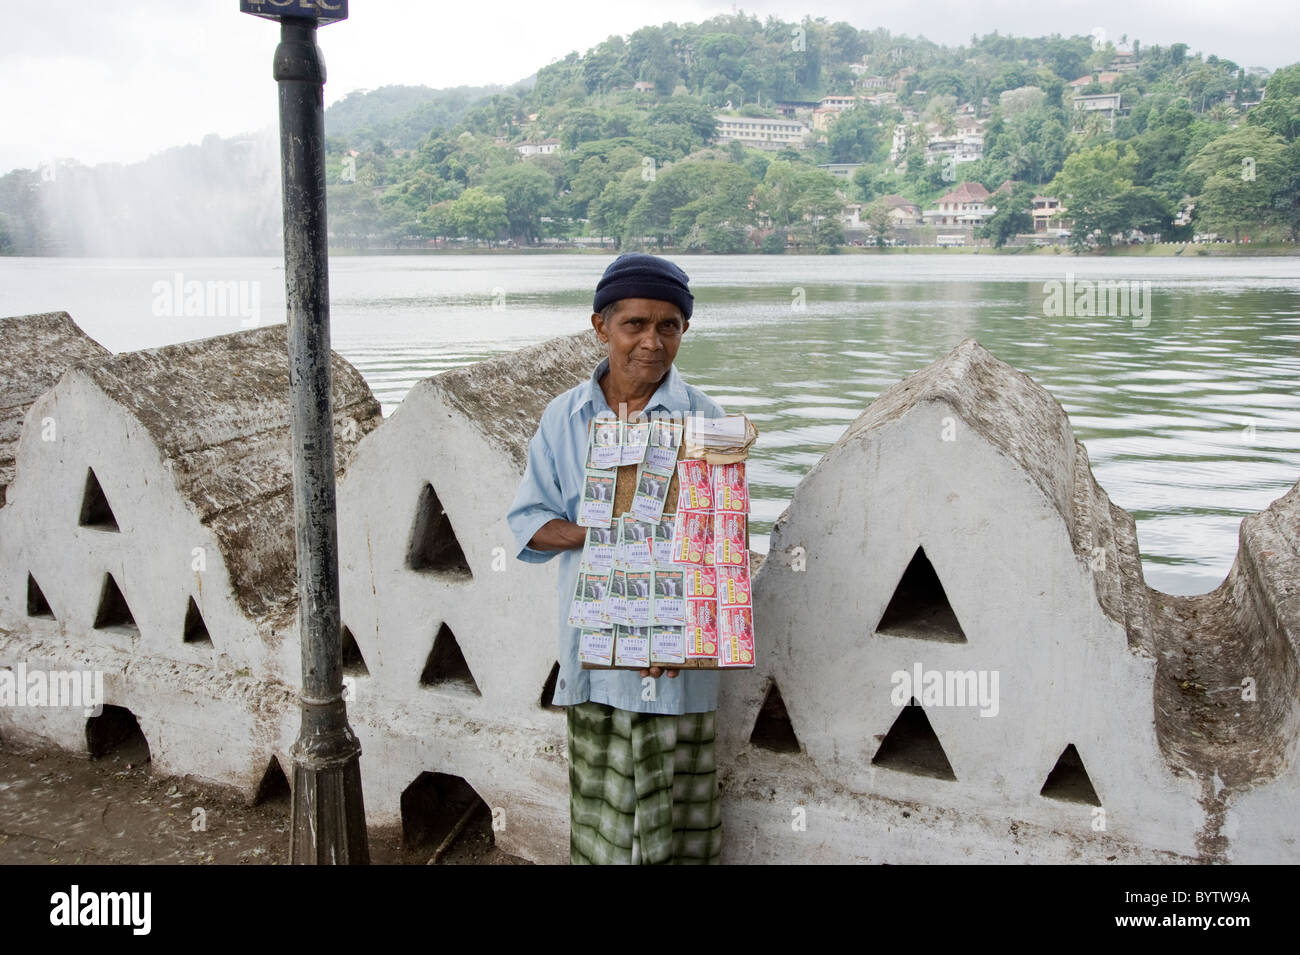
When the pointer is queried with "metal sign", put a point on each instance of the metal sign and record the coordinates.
(322, 11)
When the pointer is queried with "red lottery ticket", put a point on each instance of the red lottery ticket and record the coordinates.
(701, 627)
(693, 538)
(694, 486)
(733, 587)
(729, 539)
(702, 581)
(730, 488)
(736, 637)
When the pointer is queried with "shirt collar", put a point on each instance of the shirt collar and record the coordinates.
(670, 395)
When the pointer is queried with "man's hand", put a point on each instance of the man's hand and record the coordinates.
(559, 534)
(657, 672)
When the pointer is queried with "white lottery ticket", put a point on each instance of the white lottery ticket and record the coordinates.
(636, 434)
(596, 646)
(667, 645)
(597, 507)
(651, 493)
(605, 444)
(632, 646)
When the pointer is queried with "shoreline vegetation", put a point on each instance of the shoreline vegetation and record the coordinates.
(738, 135)
(1161, 250)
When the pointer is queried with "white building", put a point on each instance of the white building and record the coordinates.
(543, 148)
(761, 131)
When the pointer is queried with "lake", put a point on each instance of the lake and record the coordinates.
(1188, 400)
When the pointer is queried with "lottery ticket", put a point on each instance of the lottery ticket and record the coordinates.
(635, 540)
(596, 646)
(615, 607)
(701, 627)
(736, 637)
(604, 443)
(669, 596)
(598, 551)
(631, 646)
(730, 488)
(694, 486)
(636, 435)
(651, 493)
(701, 581)
(590, 591)
(667, 645)
(638, 586)
(663, 542)
(733, 587)
(729, 539)
(693, 538)
(597, 507)
(665, 439)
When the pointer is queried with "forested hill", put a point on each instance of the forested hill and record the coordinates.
(650, 139)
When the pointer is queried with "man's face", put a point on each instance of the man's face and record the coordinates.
(643, 336)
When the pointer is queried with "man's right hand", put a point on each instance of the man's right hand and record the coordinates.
(559, 534)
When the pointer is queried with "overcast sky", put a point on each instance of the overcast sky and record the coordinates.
(118, 80)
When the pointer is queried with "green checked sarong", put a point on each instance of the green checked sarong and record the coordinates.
(643, 788)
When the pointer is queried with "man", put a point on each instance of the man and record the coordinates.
(642, 779)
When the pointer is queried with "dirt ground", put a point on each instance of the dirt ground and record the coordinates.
(57, 808)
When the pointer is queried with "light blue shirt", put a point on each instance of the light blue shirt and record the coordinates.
(552, 488)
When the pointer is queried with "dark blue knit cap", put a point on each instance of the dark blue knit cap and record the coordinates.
(638, 275)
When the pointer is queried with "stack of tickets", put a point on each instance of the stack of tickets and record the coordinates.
(661, 587)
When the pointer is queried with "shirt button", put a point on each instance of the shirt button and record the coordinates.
(561, 684)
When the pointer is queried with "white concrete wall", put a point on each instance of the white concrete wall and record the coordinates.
(1007, 511)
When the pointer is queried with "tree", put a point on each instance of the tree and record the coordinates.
(1286, 198)
(1240, 171)
(478, 214)
(854, 135)
(1012, 218)
(1088, 184)
(528, 193)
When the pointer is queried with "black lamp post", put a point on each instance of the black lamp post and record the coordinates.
(329, 819)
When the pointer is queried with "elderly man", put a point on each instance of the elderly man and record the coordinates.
(642, 779)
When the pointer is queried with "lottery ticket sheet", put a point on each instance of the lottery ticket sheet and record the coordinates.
(631, 646)
(596, 647)
(597, 506)
(604, 443)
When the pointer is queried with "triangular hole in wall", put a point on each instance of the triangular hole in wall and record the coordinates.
(911, 746)
(1069, 781)
(919, 607)
(196, 631)
(354, 664)
(773, 729)
(434, 547)
(113, 611)
(37, 605)
(274, 786)
(95, 511)
(548, 689)
(446, 666)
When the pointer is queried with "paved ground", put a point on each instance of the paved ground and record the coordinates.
(58, 808)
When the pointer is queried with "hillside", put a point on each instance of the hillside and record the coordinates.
(737, 135)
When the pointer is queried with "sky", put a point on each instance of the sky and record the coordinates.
(116, 81)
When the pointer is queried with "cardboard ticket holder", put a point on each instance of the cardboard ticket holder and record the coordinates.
(625, 490)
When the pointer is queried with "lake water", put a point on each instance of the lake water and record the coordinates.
(1191, 422)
